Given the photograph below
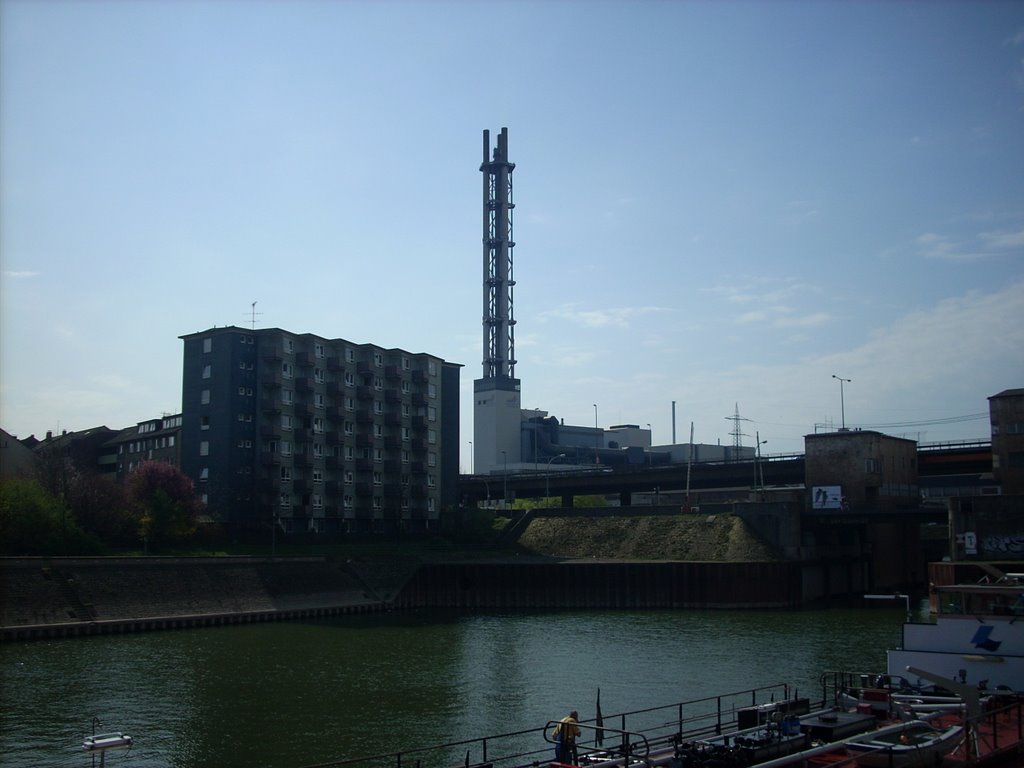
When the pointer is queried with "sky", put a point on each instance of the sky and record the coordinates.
(718, 205)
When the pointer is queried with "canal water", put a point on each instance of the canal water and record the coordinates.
(288, 695)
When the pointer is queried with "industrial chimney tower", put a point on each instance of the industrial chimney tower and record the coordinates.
(496, 412)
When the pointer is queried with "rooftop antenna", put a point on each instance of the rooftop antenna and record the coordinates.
(737, 435)
(253, 314)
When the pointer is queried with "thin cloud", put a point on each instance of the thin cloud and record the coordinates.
(943, 248)
(20, 274)
(1004, 239)
(610, 317)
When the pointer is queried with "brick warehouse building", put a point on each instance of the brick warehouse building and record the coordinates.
(321, 435)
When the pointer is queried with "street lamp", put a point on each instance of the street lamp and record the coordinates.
(757, 459)
(471, 457)
(504, 481)
(842, 401)
(650, 443)
(597, 437)
(547, 475)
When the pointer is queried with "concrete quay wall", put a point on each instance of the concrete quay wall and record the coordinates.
(62, 597)
(67, 597)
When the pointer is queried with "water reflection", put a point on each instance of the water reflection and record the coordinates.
(282, 695)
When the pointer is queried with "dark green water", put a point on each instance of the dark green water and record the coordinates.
(297, 694)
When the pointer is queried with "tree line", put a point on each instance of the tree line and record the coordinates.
(61, 510)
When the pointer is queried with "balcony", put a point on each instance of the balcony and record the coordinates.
(304, 385)
(273, 353)
(364, 392)
(364, 416)
(268, 459)
(419, 377)
(392, 396)
(271, 380)
(364, 440)
(418, 398)
(391, 373)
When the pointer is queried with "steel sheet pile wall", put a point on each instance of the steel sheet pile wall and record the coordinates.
(634, 585)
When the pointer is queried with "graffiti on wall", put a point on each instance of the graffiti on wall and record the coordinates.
(1003, 545)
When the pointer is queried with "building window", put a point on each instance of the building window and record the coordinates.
(350, 404)
(405, 387)
(204, 397)
(431, 413)
(350, 355)
(204, 447)
(350, 379)
(287, 397)
(350, 453)
(318, 375)
(289, 345)
(206, 371)
(378, 455)
(405, 363)
(378, 359)
(286, 421)
(285, 500)
(318, 425)
(348, 427)
(204, 422)
(378, 407)
(204, 474)
(318, 501)
(378, 503)
(432, 436)
(207, 345)
(405, 480)
(318, 476)
(378, 478)
(430, 505)
(318, 450)
(286, 474)
(406, 411)
(431, 459)
(349, 477)
(378, 430)
(431, 390)
(170, 441)
(406, 433)
(318, 350)
(430, 481)
(287, 370)
(318, 400)
(347, 501)
(378, 383)
(405, 457)
(286, 448)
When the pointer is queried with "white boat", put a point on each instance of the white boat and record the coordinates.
(977, 636)
(104, 741)
(907, 745)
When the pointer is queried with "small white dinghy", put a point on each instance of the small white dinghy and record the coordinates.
(907, 745)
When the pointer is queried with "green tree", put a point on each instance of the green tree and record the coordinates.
(164, 503)
(34, 522)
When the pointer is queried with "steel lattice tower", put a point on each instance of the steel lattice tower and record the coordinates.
(498, 315)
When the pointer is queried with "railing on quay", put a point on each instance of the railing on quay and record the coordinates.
(639, 734)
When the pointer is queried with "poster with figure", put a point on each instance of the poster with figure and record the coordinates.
(827, 497)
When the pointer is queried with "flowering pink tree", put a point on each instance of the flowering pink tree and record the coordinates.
(164, 502)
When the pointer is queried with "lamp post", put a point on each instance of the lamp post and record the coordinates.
(471, 457)
(504, 481)
(650, 442)
(597, 438)
(842, 400)
(547, 475)
(757, 460)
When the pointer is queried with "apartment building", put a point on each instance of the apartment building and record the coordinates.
(318, 435)
(150, 440)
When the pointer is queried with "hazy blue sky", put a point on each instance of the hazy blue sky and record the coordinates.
(716, 203)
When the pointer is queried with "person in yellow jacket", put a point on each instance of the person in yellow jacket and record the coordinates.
(565, 734)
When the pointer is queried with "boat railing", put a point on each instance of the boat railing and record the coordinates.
(639, 734)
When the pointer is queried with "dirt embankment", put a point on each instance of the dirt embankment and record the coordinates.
(719, 538)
